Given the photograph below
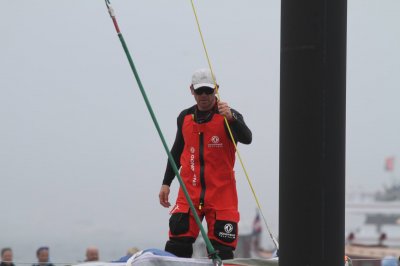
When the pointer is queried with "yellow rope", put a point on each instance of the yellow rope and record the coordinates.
(229, 128)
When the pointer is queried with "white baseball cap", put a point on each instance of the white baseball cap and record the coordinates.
(203, 78)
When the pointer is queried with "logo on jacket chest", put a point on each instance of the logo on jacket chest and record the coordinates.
(215, 142)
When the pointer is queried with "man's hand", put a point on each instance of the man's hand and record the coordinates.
(164, 194)
(225, 110)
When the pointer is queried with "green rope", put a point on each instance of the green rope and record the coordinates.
(210, 248)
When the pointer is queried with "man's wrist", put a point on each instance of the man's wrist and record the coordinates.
(233, 117)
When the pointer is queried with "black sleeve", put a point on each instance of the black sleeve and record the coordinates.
(240, 131)
(176, 152)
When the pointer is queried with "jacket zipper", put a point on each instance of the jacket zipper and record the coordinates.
(201, 160)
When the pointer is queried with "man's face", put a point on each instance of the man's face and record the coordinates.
(7, 256)
(43, 256)
(205, 98)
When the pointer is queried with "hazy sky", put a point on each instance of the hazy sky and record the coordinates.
(80, 160)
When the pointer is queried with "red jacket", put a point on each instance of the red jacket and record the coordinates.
(207, 161)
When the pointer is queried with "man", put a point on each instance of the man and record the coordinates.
(42, 255)
(206, 154)
(92, 254)
(6, 257)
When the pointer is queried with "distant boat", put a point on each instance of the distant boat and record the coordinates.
(377, 234)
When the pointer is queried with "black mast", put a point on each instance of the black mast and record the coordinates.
(312, 132)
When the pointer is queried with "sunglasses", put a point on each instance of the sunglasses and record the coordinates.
(206, 90)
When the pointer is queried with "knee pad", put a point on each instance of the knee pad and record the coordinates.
(224, 252)
(181, 247)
